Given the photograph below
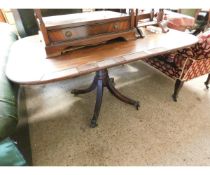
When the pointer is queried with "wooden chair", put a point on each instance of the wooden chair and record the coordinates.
(149, 18)
(142, 17)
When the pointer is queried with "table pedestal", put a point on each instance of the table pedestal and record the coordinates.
(100, 81)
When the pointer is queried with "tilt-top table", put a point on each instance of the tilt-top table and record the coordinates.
(28, 65)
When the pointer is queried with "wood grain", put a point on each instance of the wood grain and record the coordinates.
(27, 63)
(88, 31)
(81, 29)
(78, 19)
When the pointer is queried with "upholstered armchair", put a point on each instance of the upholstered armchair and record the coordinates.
(185, 64)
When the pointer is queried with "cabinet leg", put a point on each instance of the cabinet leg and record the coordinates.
(177, 88)
(140, 32)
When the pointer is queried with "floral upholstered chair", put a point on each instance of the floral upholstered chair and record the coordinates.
(185, 64)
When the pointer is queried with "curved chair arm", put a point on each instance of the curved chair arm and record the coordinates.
(180, 58)
(202, 48)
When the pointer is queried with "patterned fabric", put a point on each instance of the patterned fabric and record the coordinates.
(202, 48)
(198, 68)
(181, 58)
(164, 67)
(185, 64)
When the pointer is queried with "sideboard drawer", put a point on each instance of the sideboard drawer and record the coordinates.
(85, 31)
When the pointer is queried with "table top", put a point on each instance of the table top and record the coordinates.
(27, 62)
(77, 19)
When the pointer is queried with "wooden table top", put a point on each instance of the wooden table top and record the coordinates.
(79, 19)
(27, 62)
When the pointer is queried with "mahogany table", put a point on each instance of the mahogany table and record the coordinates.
(27, 62)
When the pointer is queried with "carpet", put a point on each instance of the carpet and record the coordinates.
(161, 132)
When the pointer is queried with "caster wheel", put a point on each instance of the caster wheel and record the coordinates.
(207, 86)
(93, 124)
(174, 98)
(74, 92)
(137, 105)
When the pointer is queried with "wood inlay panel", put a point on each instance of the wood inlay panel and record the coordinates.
(156, 50)
(86, 67)
(119, 59)
(107, 62)
(136, 55)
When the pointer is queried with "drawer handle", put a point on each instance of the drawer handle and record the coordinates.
(68, 34)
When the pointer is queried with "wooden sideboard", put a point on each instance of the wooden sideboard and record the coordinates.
(73, 31)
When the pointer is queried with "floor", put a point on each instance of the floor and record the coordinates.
(161, 132)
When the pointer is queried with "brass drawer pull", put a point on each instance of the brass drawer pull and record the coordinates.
(68, 34)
